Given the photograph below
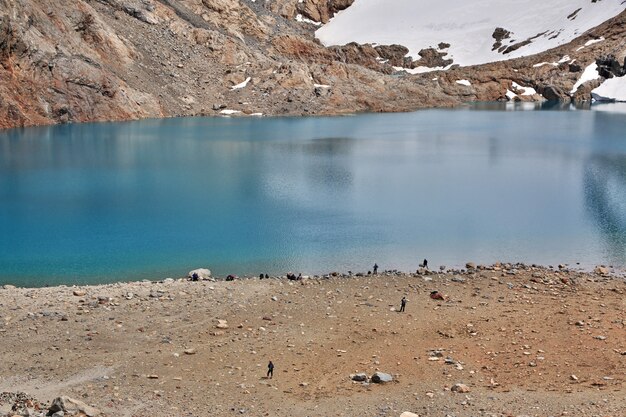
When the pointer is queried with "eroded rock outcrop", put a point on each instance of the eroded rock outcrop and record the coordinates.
(128, 59)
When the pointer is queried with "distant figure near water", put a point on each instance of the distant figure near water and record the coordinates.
(375, 269)
(425, 263)
(402, 304)
(270, 370)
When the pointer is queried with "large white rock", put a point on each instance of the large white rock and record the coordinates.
(409, 414)
(381, 377)
(203, 273)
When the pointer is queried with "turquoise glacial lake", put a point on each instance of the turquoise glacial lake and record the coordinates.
(94, 203)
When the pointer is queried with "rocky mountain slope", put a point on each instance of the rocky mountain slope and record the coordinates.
(96, 60)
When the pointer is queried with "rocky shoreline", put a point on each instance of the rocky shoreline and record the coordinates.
(503, 340)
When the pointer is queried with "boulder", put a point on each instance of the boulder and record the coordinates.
(69, 406)
(409, 414)
(553, 93)
(609, 67)
(381, 377)
(201, 273)
(461, 388)
(222, 324)
(394, 54)
(470, 265)
(361, 377)
(79, 293)
(601, 270)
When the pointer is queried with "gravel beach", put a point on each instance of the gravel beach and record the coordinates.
(506, 340)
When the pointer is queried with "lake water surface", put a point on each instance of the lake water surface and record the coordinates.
(151, 199)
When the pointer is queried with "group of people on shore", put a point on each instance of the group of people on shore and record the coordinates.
(291, 276)
(424, 264)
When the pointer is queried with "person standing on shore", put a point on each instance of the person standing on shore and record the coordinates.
(270, 370)
(402, 304)
(375, 269)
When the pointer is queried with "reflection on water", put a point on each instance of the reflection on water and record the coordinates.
(605, 199)
(155, 198)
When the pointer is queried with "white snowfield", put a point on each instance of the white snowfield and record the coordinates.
(467, 25)
(611, 89)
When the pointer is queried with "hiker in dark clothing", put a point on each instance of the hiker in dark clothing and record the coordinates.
(270, 370)
(426, 263)
(402, 304)
(375, 269)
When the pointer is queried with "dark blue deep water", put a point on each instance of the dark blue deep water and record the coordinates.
(156, 198)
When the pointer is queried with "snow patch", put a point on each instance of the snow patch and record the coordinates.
(525, 91)
(592, 41)
(541, 64)
(241, 85)
(302, 19)
(613, 89)
(228, 112)
(421, 70)
(510, 95)
(464, 82)
(590, 73)
(321, 85)
(467, 26)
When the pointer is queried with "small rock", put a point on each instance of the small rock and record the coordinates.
(461, 388)
(381, 377)
(470, 265)
(79, 293)
(190, 351)
(573, 377)
(408, 414)
(222, 324)
(360, 377)
(601, 270)
(71, 406)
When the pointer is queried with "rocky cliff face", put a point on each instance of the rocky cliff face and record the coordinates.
(95, 60)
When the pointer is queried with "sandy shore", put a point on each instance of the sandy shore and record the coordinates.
(526, 341)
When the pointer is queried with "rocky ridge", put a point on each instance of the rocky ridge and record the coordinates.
(95, 60)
